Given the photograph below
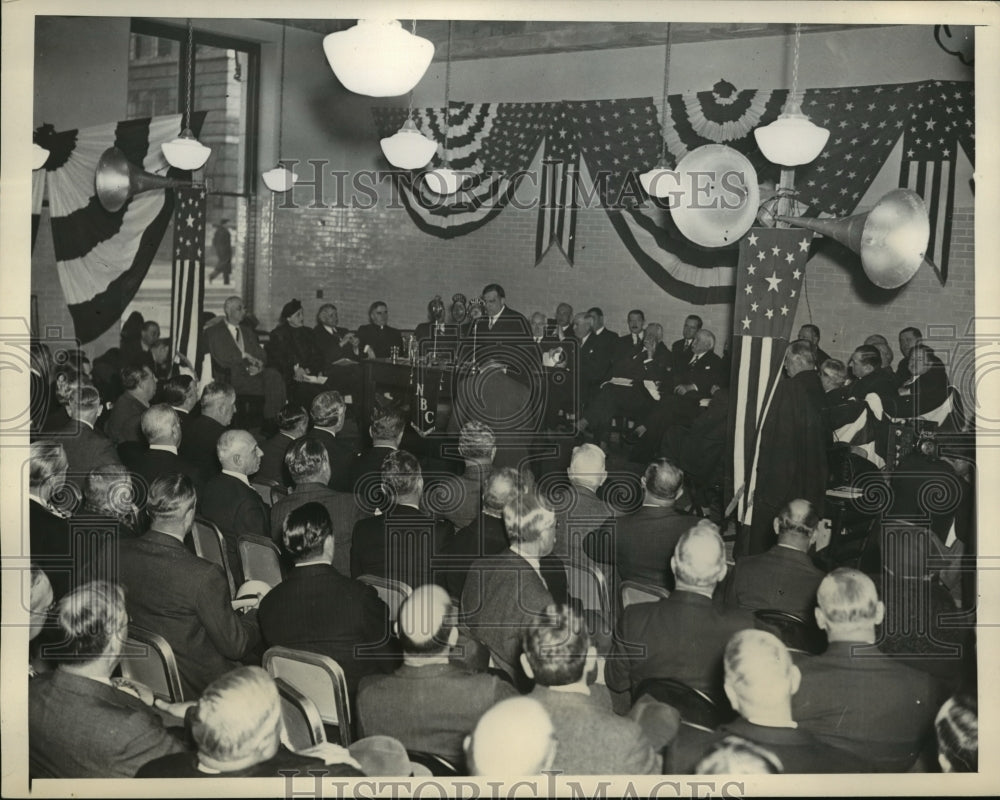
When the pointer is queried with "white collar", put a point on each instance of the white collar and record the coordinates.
(328, 328)
(313, 562)
(496, 316)
(789, 724)
(330, 431)
(572, 688)
(169, 448)
(599, 331)
(88, 424)
(239, 475)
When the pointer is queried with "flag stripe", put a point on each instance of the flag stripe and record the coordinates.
(949, 211)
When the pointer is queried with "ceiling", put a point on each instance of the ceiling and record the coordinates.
(496, 38)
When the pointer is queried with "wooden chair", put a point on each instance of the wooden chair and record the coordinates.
(319, 678)
(303, 723)
(797, 634)
(696, 708)
(208, 544)
(260, 559)
(392, 592)
(148, 658)
(632, 592)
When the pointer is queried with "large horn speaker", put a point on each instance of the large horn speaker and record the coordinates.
(117, 180)
(891, 238)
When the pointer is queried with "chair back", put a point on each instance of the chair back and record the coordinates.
(277, 492)
(260, 559)
(392, 592)
(208, 544)
(303, 724)
(319, 678)
(587, 584)
(696, 708)
(435, 765)
(797, 634)
(633, 592)
(148, 658)
(264, 490)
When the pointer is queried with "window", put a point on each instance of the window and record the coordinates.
(224, 86)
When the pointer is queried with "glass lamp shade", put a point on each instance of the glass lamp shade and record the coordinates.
(791, 139)
(186, 152)
(378, 58)
(660, 181)
(39, 155)
(408, 148)
(279, 179)
(444, 181)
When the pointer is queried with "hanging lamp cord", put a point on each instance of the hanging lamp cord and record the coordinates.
(447, 97)
(663, 108)
(190, 74)
(795, 61)
(281, 90)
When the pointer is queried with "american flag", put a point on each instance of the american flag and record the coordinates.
(769, 277)
(939, 119)
(188, 292)
(560, 168)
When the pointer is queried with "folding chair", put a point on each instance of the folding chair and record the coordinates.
(148, 658)
(633, 592)
(264, 489)
(436, 765)
(696, 708)
(260, 559)
(319, 678)
(208, 544)
(303, 724)
(587, 584)
(797, 634)
(392, 592)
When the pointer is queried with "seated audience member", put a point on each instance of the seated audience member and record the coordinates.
(309, 466)
(484, 536)
(338, 353)
(477, 446)
(319, 609)
(108, 500)
(459, 308)
(641, 544)
(161, 427)
(237, 727)
(810, 333)
(229, 501)
(387, 432)
(293, 421)
(430, 703)
(513, 738)
(400, 543)
(236, 352)
(436, 335)
(627, 391)
(329, 412)
(85, 447)
(881, 344)
(124, 423)
(871, 379)
(593, 740)
(39, 383)
(681, 350)
(41, 603)
(691, 382)
(852, 696)
(957, 728)
(594, 354)
(587, 473)
(908, 337)
(839, 410)
(561, 326)
(377, 338)
(506, 592)
(64, 377)
(539, 334)
(181, 394)
(137, 351)
(51, 546)
(927, 387)
(79, 724)
(784, 577)
(760, 681)
(292, 351)
(198, 444)
(735, 756)
(688, 616)
(180, 596)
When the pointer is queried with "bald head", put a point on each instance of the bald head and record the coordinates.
(515, 737)
(427, 621)
(760, 677)
(699, 562)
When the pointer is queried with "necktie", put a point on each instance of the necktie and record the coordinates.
(635, 339)
(490, 326)
(239, 338)
(694, 360)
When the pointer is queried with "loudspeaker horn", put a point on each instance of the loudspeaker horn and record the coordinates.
(117, 180)
(891, 238)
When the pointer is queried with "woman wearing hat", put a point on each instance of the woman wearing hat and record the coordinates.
(291, 350)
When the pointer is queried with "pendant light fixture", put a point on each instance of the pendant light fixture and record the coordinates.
(280, 179)
(186, 152)
(444, 180)
(660, 181)
(378, 58)
(792, 139)
(39, 155)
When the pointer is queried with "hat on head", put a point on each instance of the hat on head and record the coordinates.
(291, 307)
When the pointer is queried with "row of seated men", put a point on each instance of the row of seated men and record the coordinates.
(518, 577)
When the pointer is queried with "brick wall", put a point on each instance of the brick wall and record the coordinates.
(357, 256)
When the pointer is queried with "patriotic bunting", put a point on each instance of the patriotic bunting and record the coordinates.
(102, 257)
(188, 288)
